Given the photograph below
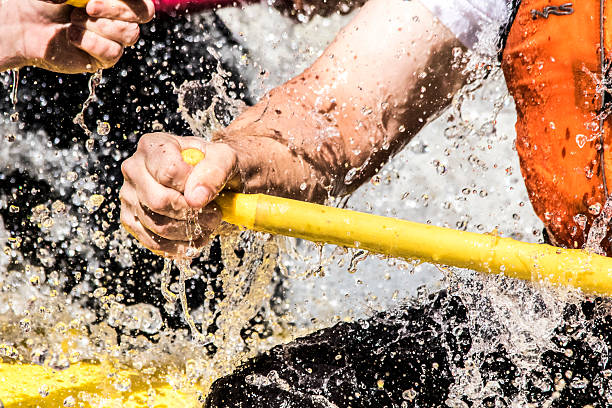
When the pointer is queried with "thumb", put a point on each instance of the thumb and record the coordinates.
(210, 175)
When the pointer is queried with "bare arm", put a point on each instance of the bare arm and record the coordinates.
(323, 133)
(333, 126)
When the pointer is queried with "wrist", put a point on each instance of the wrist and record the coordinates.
(266, 165)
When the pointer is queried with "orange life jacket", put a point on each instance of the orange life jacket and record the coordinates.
(553, 65)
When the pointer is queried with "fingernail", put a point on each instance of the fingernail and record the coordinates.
(201, 196)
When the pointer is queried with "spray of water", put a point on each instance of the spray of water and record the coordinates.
(461, 175)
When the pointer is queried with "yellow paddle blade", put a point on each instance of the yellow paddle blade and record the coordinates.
(86, 385)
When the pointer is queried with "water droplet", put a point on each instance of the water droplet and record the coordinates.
(25, 324)
(409, 395)
(157, 126)
(47, 222)
(440, 168)
(123, 385)
(595, 209)
(43, 390)
(98, 273)
(580, 220)
(94, 202)
(350, 175)
(579, 383)
(72, 176)
(69, 401)
(104, 128)
(98, 293)
(303, 186)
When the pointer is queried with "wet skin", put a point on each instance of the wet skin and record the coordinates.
(65, 39)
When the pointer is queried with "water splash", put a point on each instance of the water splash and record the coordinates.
(14, 93)
(79, 119)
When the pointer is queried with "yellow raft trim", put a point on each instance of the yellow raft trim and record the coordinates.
(91, 385)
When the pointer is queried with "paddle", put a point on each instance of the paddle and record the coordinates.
(392, 237)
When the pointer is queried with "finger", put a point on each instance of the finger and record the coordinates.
(209, 176)
(148, 239)
(132, 224)
(160, 225)
(121, 32)
(162, 155)
(181, 230)
(154, 196)
(157, 244)
(135, 11)
(105, 51)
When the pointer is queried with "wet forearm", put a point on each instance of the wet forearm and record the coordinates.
(331, 128)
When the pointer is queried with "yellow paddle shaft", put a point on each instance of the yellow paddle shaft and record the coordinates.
(410, 240)
(77, 3)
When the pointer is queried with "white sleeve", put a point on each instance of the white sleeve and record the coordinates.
(467, 18)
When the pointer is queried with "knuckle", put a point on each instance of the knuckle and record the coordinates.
(126, 220)
(123, 196)
(95, 7)
(145, 142)
(171, 174)
(158, 203)
(132, 34)
(142, 142)
(152, 141)
(105, 25)
(128, 168)
(168, 174)
(161, 230)
(114, 53)
(176, 202)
